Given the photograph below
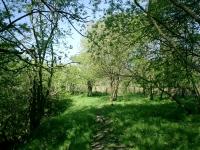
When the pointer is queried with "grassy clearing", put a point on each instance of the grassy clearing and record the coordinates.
(137, 123)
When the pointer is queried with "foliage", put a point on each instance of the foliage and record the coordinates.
(14, 100)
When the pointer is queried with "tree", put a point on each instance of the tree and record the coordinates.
(177, 30)
(29, 34)
(88, 70)
(109, 51)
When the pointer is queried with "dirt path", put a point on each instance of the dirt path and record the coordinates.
(104, 138)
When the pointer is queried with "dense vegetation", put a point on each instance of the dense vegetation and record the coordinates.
(149, 47)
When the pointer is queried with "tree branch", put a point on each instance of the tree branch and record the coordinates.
(187, 10)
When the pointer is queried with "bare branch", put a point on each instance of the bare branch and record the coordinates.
(8, 12)
(187, 10)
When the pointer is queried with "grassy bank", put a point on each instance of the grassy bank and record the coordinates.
(136, 122)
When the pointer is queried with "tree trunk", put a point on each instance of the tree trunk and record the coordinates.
(134, 91)
(106, 91)
(37, 102)
(89, 84)
(143, 90)
(34, 107)
(151, 92)
(183, 92)
(161, 94)
(114, 88)
(41, 98)
(72, 88)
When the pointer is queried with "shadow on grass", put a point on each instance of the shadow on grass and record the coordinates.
(69, 131)
(139, 126)
(57, 106)
(99, 94)
(161, 126)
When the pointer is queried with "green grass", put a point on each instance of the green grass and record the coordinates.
(136, 122)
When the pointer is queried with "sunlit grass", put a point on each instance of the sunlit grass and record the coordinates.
(136, 122)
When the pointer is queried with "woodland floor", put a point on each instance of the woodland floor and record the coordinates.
(132, 123)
